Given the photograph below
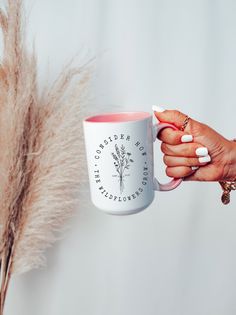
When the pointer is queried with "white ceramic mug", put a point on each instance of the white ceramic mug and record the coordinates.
(119, 150)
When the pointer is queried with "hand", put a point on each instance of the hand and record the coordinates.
(215, 157)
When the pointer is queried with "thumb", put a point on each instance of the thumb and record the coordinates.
(174, 117)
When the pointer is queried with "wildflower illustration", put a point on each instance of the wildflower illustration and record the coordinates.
(121, 163)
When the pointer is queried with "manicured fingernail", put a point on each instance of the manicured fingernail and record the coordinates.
(157, 109)
(204, 159)
(186, 138)
(202, 151)
(194, 168)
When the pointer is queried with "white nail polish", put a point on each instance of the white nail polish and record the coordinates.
(157, 109)
(204, 159)
(186, 138)
(202, 151)
(194, 168)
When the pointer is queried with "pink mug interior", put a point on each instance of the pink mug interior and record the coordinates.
(118, 117)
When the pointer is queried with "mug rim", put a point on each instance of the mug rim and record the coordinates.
(91, 119)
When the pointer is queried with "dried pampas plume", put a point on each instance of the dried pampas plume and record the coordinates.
(40, 151)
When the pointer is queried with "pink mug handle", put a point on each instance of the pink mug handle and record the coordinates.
(175, 182)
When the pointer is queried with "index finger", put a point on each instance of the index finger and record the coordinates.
(170, 136)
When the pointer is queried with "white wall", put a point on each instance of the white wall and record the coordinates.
(177, 257)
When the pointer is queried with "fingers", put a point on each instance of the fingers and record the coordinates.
(213, 174)
(171, 116)
(184, 150)
(176, 118)
(173, 161)
(170, 136)
(179, 171)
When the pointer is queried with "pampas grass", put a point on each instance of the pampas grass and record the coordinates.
(40, 151)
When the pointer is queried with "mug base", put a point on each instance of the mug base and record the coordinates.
(123, 212)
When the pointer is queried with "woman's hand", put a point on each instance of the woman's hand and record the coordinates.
(204, 148)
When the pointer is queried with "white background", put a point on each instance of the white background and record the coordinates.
(178, 257)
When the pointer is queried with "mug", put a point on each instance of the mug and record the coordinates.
(119, 152)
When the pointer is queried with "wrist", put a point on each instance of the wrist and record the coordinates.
(231, 162)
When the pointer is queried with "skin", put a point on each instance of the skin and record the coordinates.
(180, 157)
